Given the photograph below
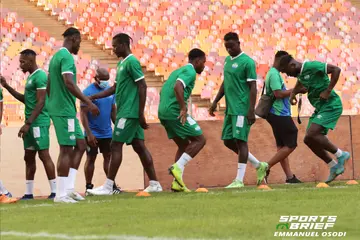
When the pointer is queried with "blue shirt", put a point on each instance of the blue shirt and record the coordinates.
(100, 125)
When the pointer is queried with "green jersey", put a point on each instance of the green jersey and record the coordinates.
(37, 80)
(169, 108)
(61, 102)
(273, 82)
(238, 71)
(1, 95)
(127, 95)
(314, 77)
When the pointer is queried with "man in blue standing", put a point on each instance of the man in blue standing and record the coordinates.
(98, 130)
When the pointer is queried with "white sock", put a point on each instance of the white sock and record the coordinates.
(52, 185)
(71, 180)
(29, 187)
(152, 182)
(61, 186)
(109, 184)
(338, 153)
(183, 160)
(241, 171)
(253, 160)
(332, 163)
(3, 189)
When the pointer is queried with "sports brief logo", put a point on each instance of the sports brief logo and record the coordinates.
(307, 226)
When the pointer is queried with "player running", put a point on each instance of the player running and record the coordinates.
(63, 91)
(239, 88)
(179, 126)
(130, 96)
(98, 129)
(35, 131)
(313, 75)
(279, 117)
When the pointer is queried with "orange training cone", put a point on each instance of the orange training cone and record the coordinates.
(352, 182)
(264, 187)
(322, 185)
(143, 194)
(202, 190)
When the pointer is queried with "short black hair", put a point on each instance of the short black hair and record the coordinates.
(122, 38)
(28, 52)
(285, 60)
(71, 32)
(195, 53)
(231, 36)
(281, 54)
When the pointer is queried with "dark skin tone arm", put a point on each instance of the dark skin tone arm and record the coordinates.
(108, 92)
(40, 103)
(1, 113)
(20, 97)
(251, 112)
(85, 122)
(179, 93)
(218, 97)
(335, 74)
(142, 101)
(282, 93)
(113, 113)
(74, 90)
(299, 88)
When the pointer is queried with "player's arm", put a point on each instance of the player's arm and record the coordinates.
(1, 112)
(74, 89)
(142, 87)
(20, 97)
(299, 88)
(179, 94)
(251, 78)
(276, 87)
(113, 113)
(84, 119)
(335, 74)
(108, 92)
(40, 103)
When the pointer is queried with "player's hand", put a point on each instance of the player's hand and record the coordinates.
(24, 130)
(91, 139)
(143, 123)
(212, 109)
(3, 81)
(93, 109)
(251, 117)
(325, 94)
(293, 99)
(91, 98)
(303, 90)
(182, 116)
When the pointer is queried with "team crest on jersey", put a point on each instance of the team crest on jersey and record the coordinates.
(121, 68)
(307, 77)
(29, 82)
(235, 65)
(72, 137)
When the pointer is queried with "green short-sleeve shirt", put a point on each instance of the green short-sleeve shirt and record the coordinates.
(273, 82)
(1, 95)
(169, 108)
(36, 81)
(314, 77)
(238, 71)
(129, 71)
(61, 102)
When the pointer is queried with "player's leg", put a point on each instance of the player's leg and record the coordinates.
(4, 191)
(182, 145)
(192, 132)
(5, 196)
(115, 160)
(43, 145)
(77, 154)
(105, 150)
(49, 166)
(64, 129)
(30, 169)
(231, 144)
(89, 166)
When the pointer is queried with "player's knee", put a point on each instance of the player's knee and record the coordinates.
(90, 160)
(139, 147)
(44, 155)
(308, 139)
(202, 141)
(116, 146)
(81, 145)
